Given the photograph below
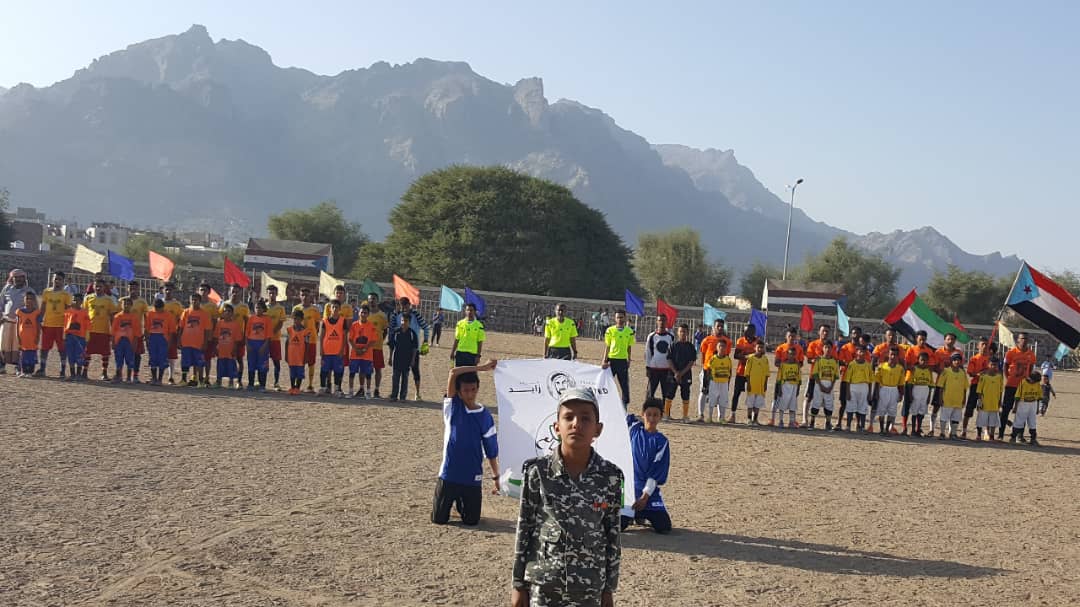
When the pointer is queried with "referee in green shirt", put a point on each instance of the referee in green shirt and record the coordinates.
(619, 339)
(468, 339)
(560, 336)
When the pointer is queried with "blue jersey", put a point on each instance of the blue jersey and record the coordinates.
(652, 458)
(468, 437)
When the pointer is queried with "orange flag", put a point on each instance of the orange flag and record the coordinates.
(214, 297)
(403, 289)
(161, 267)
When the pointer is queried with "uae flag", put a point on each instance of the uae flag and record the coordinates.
(912, 315)
(1046, 304)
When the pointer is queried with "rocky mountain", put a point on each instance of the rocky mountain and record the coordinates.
(182, 129)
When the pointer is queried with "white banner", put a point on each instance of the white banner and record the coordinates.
(528, 396)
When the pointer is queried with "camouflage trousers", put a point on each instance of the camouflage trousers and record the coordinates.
(553, 596)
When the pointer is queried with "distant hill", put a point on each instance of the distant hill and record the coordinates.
(182, 130)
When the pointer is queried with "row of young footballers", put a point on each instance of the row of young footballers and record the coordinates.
(925, 381)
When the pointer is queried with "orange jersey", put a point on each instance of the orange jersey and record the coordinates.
(125, 325)
(745, 347)
(77, 322)
(944, 357)
(259, 328)
(815, 350)
(160, 323)
(296, 346)
(29, 324)
(976, 366)
(846, 353)
(911, 359)
(881, 352)
(781, 354)
(228, 334)
(363, 335)
(713, 345)
(193, 326)
(334, 334)
(1018, 365)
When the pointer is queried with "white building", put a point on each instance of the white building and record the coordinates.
(104, 236)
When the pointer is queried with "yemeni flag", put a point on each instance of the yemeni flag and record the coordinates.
(1046, 304)
(912, 315)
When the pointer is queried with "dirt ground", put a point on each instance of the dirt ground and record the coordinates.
(140, 496)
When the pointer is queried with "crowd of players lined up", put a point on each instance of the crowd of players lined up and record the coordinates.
(929, 386)
(199, 332)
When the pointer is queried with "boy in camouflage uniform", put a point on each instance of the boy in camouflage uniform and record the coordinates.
(568, 549)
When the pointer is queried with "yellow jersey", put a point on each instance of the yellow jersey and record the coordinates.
(211, 310)
(921, 376)
(346, 311)
(312, 316)
(954, 387)
(989, 390)
(139, 308)
(558, 333)
(756, 371)
(469, 335)
(101, 309)
(858, 372)
(241, 314)
(54, 303)
(890, 376)
(790, 373)
(174, 307)
(618, 342)
(1029, 391)
(826, 370)
(720, 369)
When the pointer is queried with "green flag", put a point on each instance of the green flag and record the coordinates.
(370, 287)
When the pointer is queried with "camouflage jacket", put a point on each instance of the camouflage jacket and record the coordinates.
(568, 530)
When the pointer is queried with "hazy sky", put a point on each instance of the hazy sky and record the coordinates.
(960, 115)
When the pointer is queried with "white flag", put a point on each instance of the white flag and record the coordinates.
(87, 259)
(327, 284)
(1005, 336)
(528, 393)
(282, 286)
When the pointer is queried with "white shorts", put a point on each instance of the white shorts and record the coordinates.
(9, 344)
(755, 401)
(919, 397)
(952, 414)
(787, 400)
(858, 399)
(1025, 415)
(988, 419)
(822, 399)
(888, 397)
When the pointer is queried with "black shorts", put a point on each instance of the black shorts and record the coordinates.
(467, 499)
(663, 379)
(972, 401)
(465, 359)
(684, 386)
(560, 353)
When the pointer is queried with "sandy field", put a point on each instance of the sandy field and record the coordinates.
(140, 496)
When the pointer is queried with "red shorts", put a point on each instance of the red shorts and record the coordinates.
(377, 358)
(275, 350)
(51, 336)
(99, 343)
(309, 354)
(240, 350)
(173, 353)
(210, 351)
(140, 345)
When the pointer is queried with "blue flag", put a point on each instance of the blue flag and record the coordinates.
(760, 321)
(449, 300)
(121, 267)
(711, 314)
(472, 298)
(321, 263)
(843, 323)
(1062, 351)
(634, 305)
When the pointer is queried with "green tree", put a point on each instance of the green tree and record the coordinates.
(139, 246)
(976, 297)
(869, 281)
(672, 265)
(752, 283)
(1068, 279)
(7, 231)
(372, 262)
(323, 223)
(235, 255)
(493, 228)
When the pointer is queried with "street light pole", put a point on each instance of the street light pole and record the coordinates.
(787, 239)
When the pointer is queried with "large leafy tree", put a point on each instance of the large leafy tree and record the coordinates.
(974, 296)
(673, 265)
(493, 228)
(869, 281)
(7, 232)
(752, 283)
(325, 223)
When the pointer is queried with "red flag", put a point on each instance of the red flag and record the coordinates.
(806, 323)
(670, 313)
(236, 276)
(956, 323)
(403, 289)
(161, 267)
(213, 296)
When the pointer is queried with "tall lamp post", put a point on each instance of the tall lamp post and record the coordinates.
(787, 239)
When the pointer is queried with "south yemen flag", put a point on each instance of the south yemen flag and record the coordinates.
(912, 315)
(1046, 304)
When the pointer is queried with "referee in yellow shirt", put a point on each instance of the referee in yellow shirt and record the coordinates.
(468, 339)
(560, 336)
(618, 340)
